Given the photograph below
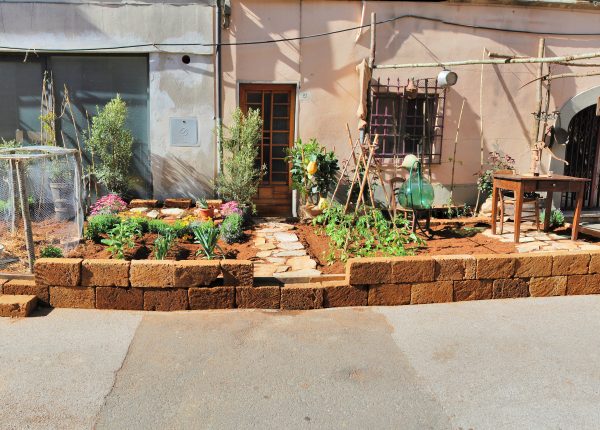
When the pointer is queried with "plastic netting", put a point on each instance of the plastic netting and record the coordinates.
(51, 180)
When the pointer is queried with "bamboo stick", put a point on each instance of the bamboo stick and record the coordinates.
(527, 60)
(549, 77)
(373, 40)
(462, 107)
(535, 130)
(560, 63)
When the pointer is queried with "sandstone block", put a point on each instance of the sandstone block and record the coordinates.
(570, 263)
(266, 297)
(431, 292)
(17, 306)
(453, 267)
(211, 298)
(510, 288)
(105, 273)
(365, 271)
(178, 203)
(340, 294)
(166, 299)
(594, 262)
(143, 203)
(151, 273)
(72, 297)
(583, 284)
(195, 273)
(533, 265)
(548, 286)
(27, 288)
(119, 298)
(495, 266)
(301, 296)
(237, 272)
(389, 295)
(2, 282)
(412, 269)
(64, 272)
(473, 289)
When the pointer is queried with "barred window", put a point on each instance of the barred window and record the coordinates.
(407, 121)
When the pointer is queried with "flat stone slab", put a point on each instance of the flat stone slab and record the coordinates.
(301, 275)
(174, 212)
(286, 237)
(302, 263)
(290, 246)
(153, 214)
(138, 210)
(276, 260)
(266, 247)
(264, 254)
(297, 253)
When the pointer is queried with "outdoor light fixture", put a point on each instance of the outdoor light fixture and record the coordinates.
(446, 78)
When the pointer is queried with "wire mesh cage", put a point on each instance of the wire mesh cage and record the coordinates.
(40, 203)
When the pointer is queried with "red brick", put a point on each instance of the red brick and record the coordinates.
(28, 288)
(389, 295)
(339, 294)
(152, 273)
(431, 292)
(166, 299)
(63, 272)
(238, 272)
(510, 288)
(302, 296)
(195, 273)
(119, 298)
(211, 298)
(369, 271)
(266, 297)
(105, 273)
(473, 289)
(73, 297)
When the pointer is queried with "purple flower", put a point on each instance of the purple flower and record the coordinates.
(229, 208)
(109, 204)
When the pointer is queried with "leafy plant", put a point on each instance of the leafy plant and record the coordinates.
(163, 243)
(313, 170)
(98, 225)
(202, 203)
(119, 239)
(557, 218)
(365, 235)
(138, 225)
(206, 235)
(240, 177)
(232, 228)
(485, 178)
(112, 143)
(51, 252)
(109, 204)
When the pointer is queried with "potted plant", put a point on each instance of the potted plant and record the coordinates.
(62, 188)
(204, 210)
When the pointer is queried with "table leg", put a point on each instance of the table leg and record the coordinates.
(548, 210)
(518, 210)
(577, 214)
(494, 207)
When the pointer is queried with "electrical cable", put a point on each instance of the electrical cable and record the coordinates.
(310, 36)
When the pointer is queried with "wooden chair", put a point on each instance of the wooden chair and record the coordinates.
(506, 200)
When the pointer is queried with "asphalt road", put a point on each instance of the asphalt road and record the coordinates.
(522, 363)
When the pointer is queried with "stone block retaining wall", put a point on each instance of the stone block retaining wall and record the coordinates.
(180, 285)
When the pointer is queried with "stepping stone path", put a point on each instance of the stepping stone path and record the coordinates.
(280, 251)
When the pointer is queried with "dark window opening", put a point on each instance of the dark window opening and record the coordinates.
(407, 120)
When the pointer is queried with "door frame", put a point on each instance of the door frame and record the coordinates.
(294, 104)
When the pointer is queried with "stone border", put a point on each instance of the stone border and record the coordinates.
(226, 284)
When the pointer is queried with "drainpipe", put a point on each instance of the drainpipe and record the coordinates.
(219, 84)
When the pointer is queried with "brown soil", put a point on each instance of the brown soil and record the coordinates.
(446, 240)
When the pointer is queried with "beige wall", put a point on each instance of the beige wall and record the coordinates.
(324, 68)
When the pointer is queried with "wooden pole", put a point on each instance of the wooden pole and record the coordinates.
(454, 154)
(528, 60)
(26, 216)
(373, 40)
(560, 63)
(535, 130)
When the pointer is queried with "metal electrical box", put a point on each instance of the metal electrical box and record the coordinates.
(184, 131)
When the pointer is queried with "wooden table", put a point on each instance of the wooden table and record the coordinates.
(521, 184)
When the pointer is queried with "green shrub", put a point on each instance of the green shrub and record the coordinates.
(111, 142)
(239, 178)
(157, 226)
(100, 224)
(120, 238)
(557, 218)
(206, 234)
(138, 225)
(51, 252)
(232, 228)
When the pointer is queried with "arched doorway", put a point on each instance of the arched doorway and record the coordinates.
(582, 153)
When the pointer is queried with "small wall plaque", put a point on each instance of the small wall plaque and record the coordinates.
(184, 131)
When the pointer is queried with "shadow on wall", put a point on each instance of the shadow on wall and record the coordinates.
(179, 176)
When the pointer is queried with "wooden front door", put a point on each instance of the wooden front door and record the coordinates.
(276, 103)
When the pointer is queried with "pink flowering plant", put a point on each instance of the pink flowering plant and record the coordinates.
(109, 204)
(229, 208)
